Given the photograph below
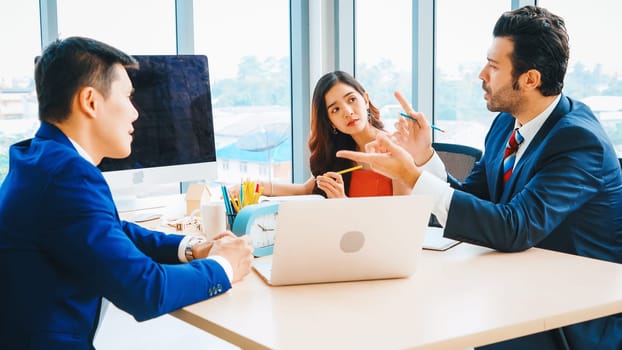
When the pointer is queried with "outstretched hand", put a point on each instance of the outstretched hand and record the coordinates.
(387, 158)
(414, 135)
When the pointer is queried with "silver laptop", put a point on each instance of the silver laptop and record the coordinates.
(346, 239)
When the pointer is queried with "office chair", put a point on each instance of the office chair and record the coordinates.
(458, 159)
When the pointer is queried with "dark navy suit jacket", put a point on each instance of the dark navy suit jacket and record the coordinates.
(565, 194)
(63, 248)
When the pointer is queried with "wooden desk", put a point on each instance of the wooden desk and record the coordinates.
(467, 296)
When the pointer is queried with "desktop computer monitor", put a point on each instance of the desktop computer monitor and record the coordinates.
(174, 134)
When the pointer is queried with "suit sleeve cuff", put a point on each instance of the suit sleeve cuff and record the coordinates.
(181, 249)
(436, 167)
(431, 185)
(225, 264)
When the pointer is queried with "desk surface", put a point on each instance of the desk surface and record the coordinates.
(466, 296)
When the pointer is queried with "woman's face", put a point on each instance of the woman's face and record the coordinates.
(346, 108)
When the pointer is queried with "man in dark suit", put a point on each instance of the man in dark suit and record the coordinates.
(557, 187)
(62, 244)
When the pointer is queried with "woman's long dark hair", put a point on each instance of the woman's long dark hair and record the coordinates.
(323, 141)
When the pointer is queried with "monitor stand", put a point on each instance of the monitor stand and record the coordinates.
(128, 200)
(128, 203)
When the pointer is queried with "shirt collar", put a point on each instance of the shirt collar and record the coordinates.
(81, 151)
(531, 128)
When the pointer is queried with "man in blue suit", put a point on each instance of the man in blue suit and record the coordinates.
(62, 244)
(560, 190)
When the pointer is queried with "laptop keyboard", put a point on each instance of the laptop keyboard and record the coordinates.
(264, 268)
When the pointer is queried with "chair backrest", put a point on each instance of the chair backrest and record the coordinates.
(458, 159)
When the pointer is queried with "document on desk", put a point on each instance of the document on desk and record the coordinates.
(434, 240)
(290, 198)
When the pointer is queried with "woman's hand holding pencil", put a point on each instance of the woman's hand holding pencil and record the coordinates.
(332, 182)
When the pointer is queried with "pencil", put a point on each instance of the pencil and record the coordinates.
(340, 172)
(414, 119)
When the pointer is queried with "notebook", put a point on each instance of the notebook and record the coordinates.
(434, 240)
(346, 239)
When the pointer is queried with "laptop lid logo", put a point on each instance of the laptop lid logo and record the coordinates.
(352, 241)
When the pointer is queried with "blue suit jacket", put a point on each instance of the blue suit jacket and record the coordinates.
(63, 248)
(565, 194)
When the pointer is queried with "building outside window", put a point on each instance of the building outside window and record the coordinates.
(18, 101)
(250, 75)
(595, 69)
(384, 53)
(461, 51)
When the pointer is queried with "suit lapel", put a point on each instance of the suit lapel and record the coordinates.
(562, 108)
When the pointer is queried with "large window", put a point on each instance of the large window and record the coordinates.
(138, 27)
(595, 68)
(19, 28)
(463, 36)
(383, 37)
(248, 48)
(248, 52)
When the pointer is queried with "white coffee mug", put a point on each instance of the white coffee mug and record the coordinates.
(213, 218)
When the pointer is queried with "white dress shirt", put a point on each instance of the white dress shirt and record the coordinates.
(433, 179)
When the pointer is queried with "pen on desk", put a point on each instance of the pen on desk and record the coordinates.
(225, 198)
(414, 119)
(341, 172)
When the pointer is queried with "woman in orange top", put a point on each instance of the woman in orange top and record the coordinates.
(342, 118)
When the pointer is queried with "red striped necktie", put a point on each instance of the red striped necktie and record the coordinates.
(509, 156)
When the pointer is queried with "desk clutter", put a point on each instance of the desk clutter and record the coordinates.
(203, 212)
(249, 194)
(248, 213)
(258, 222)
(160, 222)
(196, 194)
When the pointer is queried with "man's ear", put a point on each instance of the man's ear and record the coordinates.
(532, 79)
(86, 101)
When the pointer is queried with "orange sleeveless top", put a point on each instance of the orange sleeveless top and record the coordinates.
(368, 183)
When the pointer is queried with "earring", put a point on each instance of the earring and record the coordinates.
(334, 130)
(368, 114)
